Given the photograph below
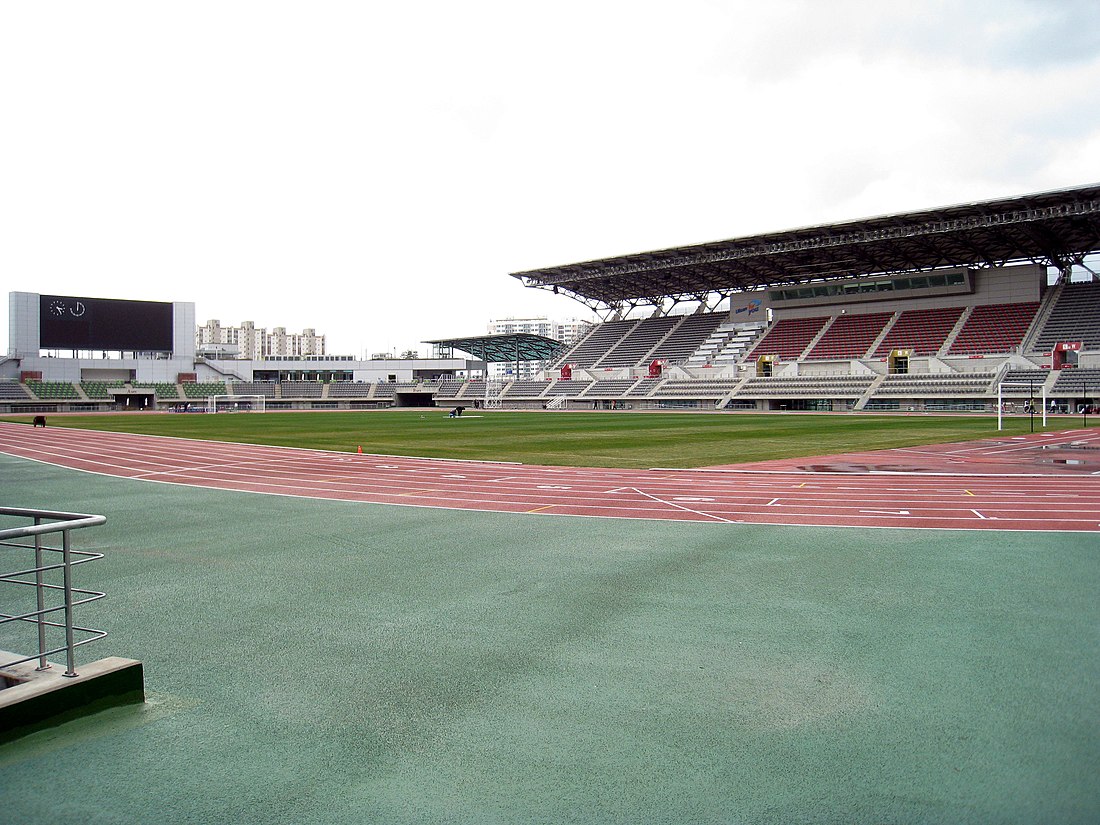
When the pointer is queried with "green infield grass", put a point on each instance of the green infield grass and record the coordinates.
(578, 439)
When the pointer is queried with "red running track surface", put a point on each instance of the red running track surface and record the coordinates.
(1043, 482)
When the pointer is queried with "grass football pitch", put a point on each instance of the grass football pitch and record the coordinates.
(577, 439)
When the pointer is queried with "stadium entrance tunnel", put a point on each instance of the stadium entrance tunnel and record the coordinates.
(413, 399)
(135, 400)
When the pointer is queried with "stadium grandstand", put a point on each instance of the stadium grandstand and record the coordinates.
(932, 310)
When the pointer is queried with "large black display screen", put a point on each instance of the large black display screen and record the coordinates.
(66, 322)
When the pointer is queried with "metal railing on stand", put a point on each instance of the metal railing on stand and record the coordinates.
(42, 577)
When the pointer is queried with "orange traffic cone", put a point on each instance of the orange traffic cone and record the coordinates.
(360, 449)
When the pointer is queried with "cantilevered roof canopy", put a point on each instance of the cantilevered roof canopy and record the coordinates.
(1056, 228)
(520, 346)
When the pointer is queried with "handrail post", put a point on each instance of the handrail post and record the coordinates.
(40, 593)
(44, 582)
(70, 648)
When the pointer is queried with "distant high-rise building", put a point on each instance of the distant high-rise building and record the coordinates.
(251, 342)
(567, 331)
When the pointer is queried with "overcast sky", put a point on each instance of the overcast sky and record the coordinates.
(376, 170)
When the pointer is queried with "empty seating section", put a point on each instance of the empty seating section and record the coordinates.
(264, 388)
(850, 336)
(1024, 382)
(301, 389)
(14, 391)
(52, 389)
(835, 386)
(994, 328)
(644, 387)
(348, 389)
(610, 387)
(526, 389)
(789, 337)
(163, 391)
(1078, 382)
(960, 383)
(569, 387)
(474, 390)
(922, 331)
(637, 343)
(99, 390)
(385, 389)
(702, 389)
(447, 389)
(596, 345)
(687, 337)
(205, 390)
(1074, 317)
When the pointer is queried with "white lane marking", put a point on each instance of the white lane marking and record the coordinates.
(887, 512)
(682, 507)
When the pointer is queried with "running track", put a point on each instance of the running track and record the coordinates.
(1042, 482)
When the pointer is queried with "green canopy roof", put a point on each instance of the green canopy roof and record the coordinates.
(520, 346)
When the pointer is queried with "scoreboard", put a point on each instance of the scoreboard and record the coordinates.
(68, 322)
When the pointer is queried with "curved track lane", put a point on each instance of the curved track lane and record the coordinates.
(927, 487)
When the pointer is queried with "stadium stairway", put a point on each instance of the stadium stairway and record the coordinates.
(738, 344)
(581, 346)
(869, 394)
(622, 341)
(1046, 309)
(709, 349)
(645, 359)
(732, 394)
(820, 334)
(889, 325)
(954, 333)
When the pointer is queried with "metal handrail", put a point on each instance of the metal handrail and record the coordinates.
(47, 522)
